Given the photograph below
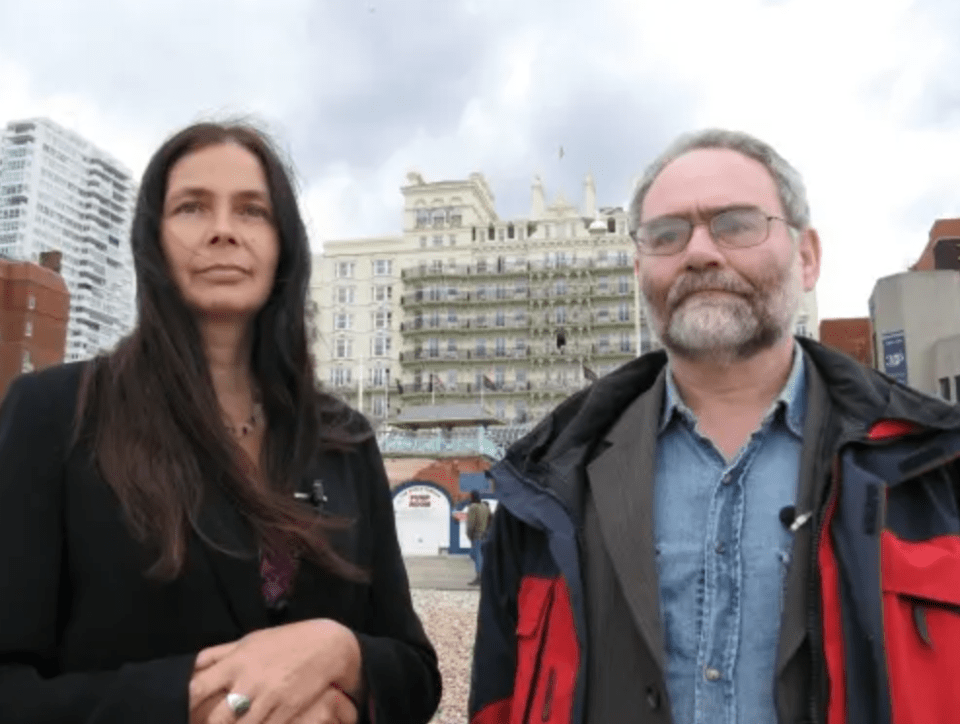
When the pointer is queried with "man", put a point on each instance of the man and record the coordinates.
(478, 520)
(745, 528)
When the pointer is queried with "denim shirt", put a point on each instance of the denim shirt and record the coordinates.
(722, 557)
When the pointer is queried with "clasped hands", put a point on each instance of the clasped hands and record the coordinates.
(292, 674)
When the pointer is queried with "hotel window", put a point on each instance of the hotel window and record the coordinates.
(345, 269)
(623, 285)
(623, 312)
(501, 347)
(381, 345)
(501, 319)
(343, 321)
(561, 315)
(379, 407)
(345, 295)
(380, 376)
(625, 342)
(382, 267)
(381, 319)
(481, 347)
(340, 376)
(344, 348)
(423, 218)
(433, 347)
(382, 293)
(604, 345)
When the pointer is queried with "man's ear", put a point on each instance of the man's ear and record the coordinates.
(810, 255)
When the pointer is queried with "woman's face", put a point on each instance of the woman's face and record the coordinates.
(218, 232)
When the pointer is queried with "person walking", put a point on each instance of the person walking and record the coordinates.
(193, 531)
(742, 528)
(478, 521)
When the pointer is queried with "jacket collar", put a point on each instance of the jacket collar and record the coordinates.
(858, 396)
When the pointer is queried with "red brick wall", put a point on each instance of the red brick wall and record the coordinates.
(19, 281)
(941, 229)
(852, 336)
(444, 472)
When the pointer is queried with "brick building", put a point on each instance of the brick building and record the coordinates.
(34, 308)
(852, 336)
(943, 247)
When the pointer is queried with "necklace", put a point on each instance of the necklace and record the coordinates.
(250, 424)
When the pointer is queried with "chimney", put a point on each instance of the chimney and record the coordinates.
(538, 203)
(51, 260)
(589, 198)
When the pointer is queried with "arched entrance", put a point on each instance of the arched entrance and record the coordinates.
(422, 511)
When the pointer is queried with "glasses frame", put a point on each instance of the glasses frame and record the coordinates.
(708, 223)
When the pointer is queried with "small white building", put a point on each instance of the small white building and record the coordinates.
(916, 326)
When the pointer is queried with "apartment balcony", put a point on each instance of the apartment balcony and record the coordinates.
(613, 352)
(416, 300)
(471, 326)
(427, 356)
(612, 322)
(463, 272)
(612, 291)
(419, 394)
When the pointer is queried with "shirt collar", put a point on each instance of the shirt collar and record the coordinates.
(792, 398)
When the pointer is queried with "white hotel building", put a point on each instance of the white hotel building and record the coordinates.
(58, 192)
(463, 306)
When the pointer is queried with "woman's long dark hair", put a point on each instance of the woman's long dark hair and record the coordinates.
(151, 411)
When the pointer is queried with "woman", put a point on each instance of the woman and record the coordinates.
(192, 532)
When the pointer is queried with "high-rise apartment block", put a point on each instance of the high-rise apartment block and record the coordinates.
(465, 307)
(60, 193)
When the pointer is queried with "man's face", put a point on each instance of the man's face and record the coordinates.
(708, 301)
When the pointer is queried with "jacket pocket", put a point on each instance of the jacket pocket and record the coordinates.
(548, 653)
(533, 609)
(921, 620)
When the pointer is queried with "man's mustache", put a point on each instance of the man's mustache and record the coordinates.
(706, 282)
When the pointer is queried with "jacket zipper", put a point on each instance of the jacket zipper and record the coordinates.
(548, 697)
(813, 594)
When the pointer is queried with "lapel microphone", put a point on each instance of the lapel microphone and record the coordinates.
(316, 496)
(791, 521)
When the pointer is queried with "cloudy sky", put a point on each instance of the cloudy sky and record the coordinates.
(862, 96)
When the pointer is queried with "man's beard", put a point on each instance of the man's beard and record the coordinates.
(750, 316)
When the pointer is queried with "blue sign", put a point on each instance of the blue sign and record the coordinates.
(895, 355)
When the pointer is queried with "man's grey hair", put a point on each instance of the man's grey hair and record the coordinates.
(790, 188)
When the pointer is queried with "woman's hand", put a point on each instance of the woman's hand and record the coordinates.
(287, 672)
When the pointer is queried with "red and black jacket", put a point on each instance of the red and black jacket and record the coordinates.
(885, 630)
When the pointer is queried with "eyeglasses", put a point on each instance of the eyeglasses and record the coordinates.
(733, 229)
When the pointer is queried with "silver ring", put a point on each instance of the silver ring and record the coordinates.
(238, 703)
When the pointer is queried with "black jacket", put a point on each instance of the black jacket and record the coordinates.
(570, 630)
(86, 638)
